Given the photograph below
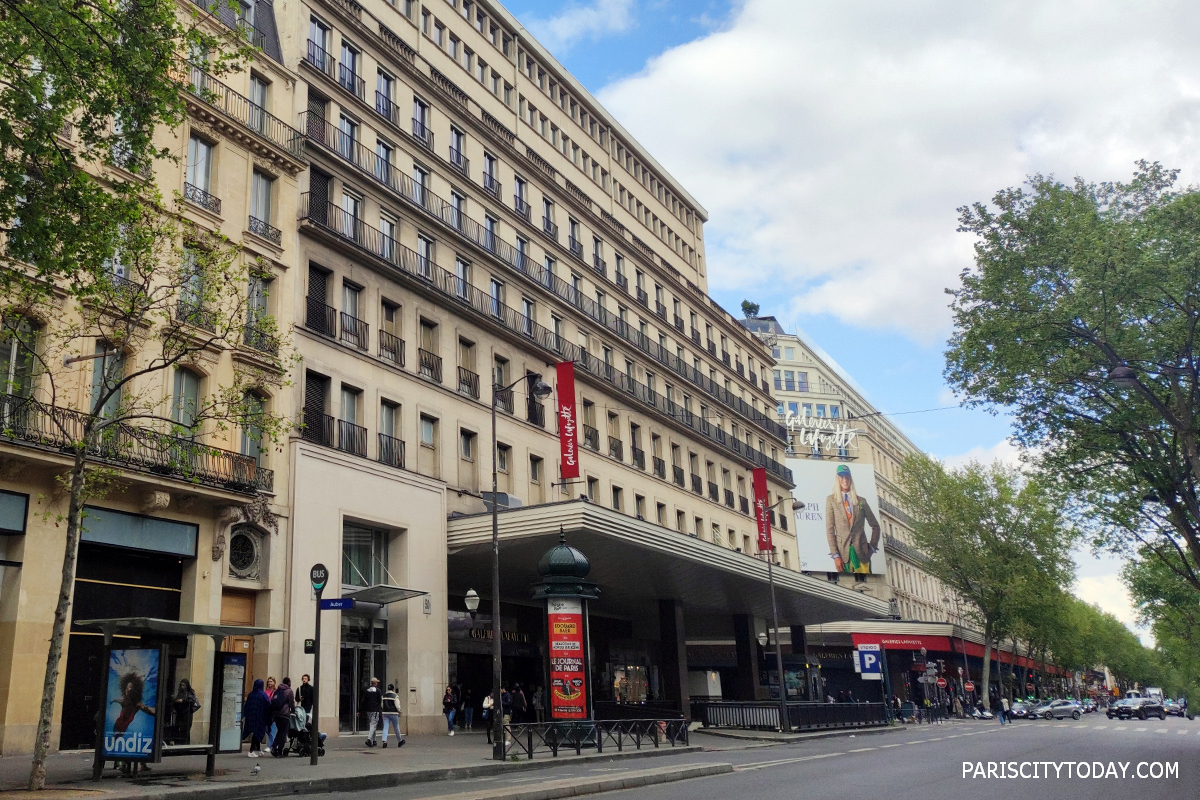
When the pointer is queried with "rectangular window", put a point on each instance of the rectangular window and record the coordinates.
(364, 556)
(428, 431)
(186, 399)
(199, 164)
(260, 196)
(616, 498)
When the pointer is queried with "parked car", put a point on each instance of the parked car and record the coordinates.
(1136, 707)
(1172, 708)
(1059, 709)
(1021, 710)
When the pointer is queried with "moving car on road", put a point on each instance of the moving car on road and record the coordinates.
(1172, 708)
(1021, 710)
(1136, 707)
(1059, 709)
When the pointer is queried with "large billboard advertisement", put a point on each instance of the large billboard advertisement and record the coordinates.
(131, 729)
(568, 684)
(839, 529)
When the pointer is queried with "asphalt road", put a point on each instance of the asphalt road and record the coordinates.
(918, 763)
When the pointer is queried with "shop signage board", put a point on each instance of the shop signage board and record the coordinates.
(568, 677)
(133, 696)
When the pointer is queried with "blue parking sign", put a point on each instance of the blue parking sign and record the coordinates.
(870, 661)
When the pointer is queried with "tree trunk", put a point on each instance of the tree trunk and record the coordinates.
(984, 689)
(41, 744)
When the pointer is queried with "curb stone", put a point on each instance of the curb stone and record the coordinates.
(248, 789)
(576, 788)
(805, 737)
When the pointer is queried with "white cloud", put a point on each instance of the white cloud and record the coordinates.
(1004, 451)
(832, 142)
(1111, 595)
(576, 22)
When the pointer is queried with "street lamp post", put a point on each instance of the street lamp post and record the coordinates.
(538, 388)
(784, 721)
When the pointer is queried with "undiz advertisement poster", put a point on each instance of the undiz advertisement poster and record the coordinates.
(568, 683)
(132, 699)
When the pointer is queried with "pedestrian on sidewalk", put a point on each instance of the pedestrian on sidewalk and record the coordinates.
(520, 705)
(371, 706)
(255, 716)
(389, 706)
(850, 696)
(449, 705)
(488, 708)
(506, 706)
(185, 705)
(283, 705)
(270, 690)
(304, 694)
(468, 707)
(1002, 710)
(539, 704)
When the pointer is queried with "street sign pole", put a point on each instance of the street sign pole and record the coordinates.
(319, 576)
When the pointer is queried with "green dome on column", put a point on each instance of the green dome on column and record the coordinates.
(563, 561)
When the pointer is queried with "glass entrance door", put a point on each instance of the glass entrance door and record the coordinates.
(359, 663)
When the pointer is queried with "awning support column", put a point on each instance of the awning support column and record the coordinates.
(674, 654)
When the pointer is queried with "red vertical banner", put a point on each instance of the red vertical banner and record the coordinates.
(761, 510)
(568, 425)
(568, 678)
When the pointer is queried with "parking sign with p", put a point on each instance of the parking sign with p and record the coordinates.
(870, 661)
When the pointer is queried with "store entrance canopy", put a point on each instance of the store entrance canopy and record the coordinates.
(383, 594)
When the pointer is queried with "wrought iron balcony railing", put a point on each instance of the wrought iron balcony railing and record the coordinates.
(550, 228)
(26, 421)
(351, 438)
(460, 162)
(599, 265)
(391, 348)
(535, 412)
(385, 108)
(521, 207)
(318, 427)
(591, 438)
(351, 81)
(643, 297)
(660, 468)
(697, 484)
(744, 504)
(622, 282)
(321, 318)
(192, 313)
(491, 185)
(258, 339)
(678, 321)
(355, 332)
(317, 57)
(422, 133)
(714, 492)
(616, 448)
(660, 309)
(194, 194)
(575, 246)
(391, 451)
(677, 475)
(729, 498)
(639, 457)
(253, 117)
(430, 364)
(505, 400)
(266, 230)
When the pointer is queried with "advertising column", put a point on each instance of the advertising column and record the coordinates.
(568, 659)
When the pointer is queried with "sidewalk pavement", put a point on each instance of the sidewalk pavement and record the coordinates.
(347, 765)
(765, 738)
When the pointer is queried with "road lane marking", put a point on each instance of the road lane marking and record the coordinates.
(938, 739)
(860, 750)
(1140, 730)
(1099, 727)
(1182, 733)
(782, 761)
(901, 744)
(1160, 730)
(1121, 728)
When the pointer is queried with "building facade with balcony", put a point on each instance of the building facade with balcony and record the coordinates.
(472, 217)
(194, 527)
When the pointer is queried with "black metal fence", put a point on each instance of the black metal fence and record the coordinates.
(620, 734)
(802, 716)
(25, 420)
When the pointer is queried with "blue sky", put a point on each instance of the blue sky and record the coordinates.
(832, 143)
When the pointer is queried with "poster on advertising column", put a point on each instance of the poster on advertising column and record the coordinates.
(568, 669)
(839, 528)
(132, 730)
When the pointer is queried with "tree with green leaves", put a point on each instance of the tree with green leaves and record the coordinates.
(1080, 318)
(101, 275)
(992, 535)
(750, 309)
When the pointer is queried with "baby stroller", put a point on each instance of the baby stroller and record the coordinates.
(300, 738)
